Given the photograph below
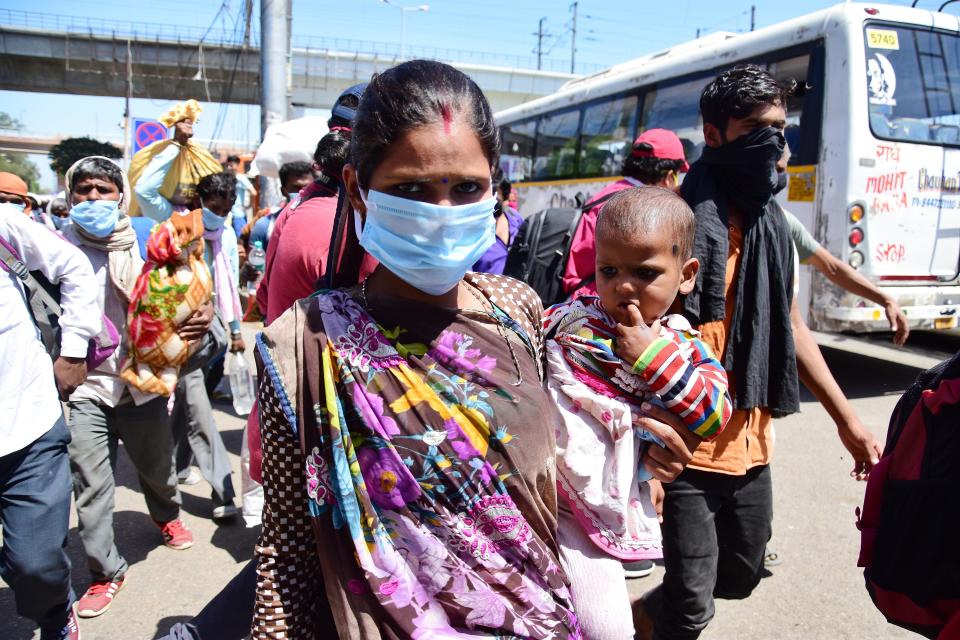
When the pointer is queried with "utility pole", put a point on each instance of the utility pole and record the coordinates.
(127, 146)
(540, 42)
(573, 38)
(274, 62)
(753, 16)
(698, 33)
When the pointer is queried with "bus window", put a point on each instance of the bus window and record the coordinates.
(557, 146)
(516, 155)
(913, 84)
(606, 136)
(677, 108)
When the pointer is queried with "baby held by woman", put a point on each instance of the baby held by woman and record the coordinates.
(609, 356)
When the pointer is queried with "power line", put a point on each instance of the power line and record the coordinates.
(239, 27)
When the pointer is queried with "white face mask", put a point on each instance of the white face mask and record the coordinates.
(428, 246)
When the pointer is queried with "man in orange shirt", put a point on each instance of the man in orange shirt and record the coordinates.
(717, 515)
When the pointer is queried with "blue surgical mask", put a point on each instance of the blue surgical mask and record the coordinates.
(58, 222)
(428, 246)
(96, 217)
(211, 221)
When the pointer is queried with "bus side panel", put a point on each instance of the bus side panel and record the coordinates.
(906, 208)
(537, 196)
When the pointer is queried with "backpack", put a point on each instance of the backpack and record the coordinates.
(541, 250)
(910, 519)
(43, 302)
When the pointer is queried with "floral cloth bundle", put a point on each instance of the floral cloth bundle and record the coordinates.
(174, 283)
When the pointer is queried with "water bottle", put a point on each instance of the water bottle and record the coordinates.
(257, 259)
(241, 383)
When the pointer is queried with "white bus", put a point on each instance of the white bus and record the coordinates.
(874, 128)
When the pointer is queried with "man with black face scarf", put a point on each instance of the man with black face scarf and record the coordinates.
(717, 514)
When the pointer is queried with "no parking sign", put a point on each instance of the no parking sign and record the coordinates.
(146, 132)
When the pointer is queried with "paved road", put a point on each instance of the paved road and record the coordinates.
(817, 593)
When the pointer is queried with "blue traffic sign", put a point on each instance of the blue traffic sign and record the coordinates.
(146, 132)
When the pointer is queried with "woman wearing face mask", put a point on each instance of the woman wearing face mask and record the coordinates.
(105, 409)
(408, 441)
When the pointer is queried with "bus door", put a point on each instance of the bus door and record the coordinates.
(804, 124)
(913, 192)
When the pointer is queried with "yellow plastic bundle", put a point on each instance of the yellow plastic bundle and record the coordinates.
(193, 163)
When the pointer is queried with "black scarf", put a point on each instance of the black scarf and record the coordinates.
(760, 351)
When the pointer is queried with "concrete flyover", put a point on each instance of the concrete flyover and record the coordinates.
(47, 53)
(36, 145)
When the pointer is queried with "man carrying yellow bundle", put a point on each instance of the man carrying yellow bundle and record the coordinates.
(165, 174)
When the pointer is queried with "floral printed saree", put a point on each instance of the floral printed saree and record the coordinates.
(428, 474)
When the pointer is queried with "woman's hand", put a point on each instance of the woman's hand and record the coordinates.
(656, 496)
(666, 463)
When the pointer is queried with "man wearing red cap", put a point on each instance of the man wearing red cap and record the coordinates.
(657, 159)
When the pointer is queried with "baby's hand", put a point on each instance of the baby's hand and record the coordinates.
(635, 337)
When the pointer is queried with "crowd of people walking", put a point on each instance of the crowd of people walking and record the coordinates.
(431, 454)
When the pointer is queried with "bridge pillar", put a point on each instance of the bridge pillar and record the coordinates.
(275, 67)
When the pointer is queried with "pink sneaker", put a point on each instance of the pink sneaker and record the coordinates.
(175, 534)
(98, 597)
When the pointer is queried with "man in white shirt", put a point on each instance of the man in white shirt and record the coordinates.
(34, 466)
(105, 409)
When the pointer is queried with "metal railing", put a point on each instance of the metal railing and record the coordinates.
(153, 31)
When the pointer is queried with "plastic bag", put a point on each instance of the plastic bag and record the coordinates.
(241, 383)
(290, 141)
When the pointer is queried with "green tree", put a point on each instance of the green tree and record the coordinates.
(63, 155)
(19, 165)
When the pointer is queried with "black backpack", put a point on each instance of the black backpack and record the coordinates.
(539, 253)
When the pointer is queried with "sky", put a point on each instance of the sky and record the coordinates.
(608, 32)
